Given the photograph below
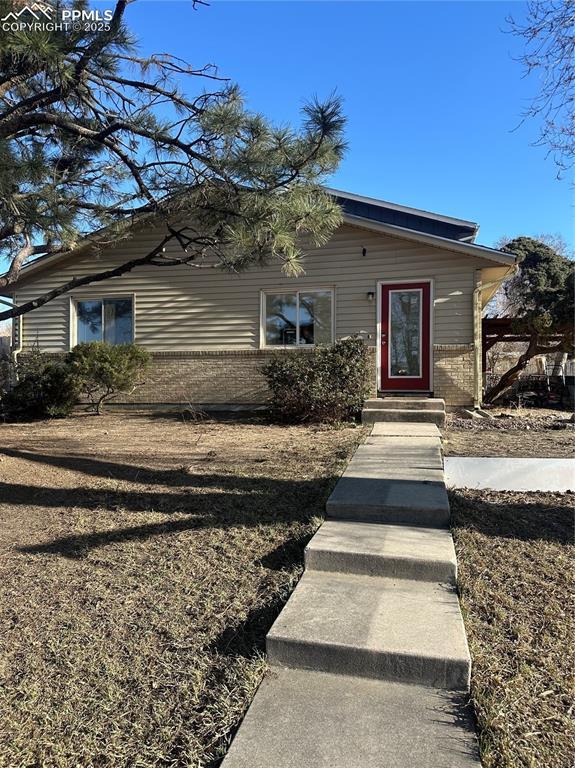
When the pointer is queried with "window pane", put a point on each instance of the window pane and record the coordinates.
(89, 319)
(405, 341)
(118, 326)
(315, 317)
(280, 319)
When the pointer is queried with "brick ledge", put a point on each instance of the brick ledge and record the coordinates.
(454, 347)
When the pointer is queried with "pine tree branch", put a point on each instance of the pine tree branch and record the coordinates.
(154, 88)
(99, 43)
(43, 100)
(86, 144)
(151, 258)
(77, 282)
(14, 127)
(17, 262)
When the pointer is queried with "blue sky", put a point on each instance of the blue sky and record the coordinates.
(431, 91)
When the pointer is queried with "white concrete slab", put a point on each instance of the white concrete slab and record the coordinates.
(510, 474)
(404, 429)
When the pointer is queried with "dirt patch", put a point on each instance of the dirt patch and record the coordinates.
(521, 433)
(516, 559)
(143, 561)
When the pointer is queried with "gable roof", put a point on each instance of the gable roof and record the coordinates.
(380, 216)
(414, 219)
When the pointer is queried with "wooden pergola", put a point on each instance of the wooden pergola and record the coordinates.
(496, 329)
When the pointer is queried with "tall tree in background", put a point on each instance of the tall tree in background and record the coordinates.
(95, 137)
(549, 35)
(541, 298)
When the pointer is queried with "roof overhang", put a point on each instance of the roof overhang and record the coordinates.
(44, 262)
(402, 208)
(445, 243)
(492, 279)
(96, 239)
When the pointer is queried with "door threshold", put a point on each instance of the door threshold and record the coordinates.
(413, 393)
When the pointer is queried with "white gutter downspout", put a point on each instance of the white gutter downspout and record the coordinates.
(15, 351)
(477, 333)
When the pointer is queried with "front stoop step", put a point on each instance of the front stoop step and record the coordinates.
(396, 551)
(373, 415)
(407, 403)
(381, 628)
(302, 719)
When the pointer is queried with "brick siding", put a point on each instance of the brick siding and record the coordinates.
(212, 378)
(453, 373)
(216, 378)
(234, 377)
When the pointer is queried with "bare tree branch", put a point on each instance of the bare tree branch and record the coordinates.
(549, 37)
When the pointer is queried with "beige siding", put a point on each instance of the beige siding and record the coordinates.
(182, 308)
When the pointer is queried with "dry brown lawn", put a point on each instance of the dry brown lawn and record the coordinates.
(520, 432)
(143, 560)
(516, 556)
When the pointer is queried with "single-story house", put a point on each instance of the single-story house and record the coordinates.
(412, 283)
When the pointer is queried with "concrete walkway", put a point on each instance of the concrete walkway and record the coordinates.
(369, 661)
(510, 474)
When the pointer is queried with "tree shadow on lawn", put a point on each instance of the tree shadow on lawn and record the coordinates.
(213, 500)
(514, 515)
(191, 414)
(111, 470)
(77, 546)
(247, 638)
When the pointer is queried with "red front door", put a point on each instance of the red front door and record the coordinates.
(405, 337)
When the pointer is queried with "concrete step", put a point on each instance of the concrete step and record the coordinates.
(372, 415)
(404, 429)
(397, 551)
(378, 492)
(302, 719)
(424, 453)
(407, 403)
(381, 628)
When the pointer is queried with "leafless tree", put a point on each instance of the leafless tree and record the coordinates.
(549, 36)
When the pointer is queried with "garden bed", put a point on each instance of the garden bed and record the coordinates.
(516, 559)
(144, 559)
(526, 432)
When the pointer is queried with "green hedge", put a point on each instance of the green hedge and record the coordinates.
(50, 388)
(104, 371)
(45, 389)
(326, 384)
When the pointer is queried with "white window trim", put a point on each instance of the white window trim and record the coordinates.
(304, 289)
(74, 299)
